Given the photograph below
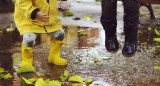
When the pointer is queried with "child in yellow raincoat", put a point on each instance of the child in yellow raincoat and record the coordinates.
(33, 17)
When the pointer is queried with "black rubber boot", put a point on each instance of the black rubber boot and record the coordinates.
(130, 45)
(111, 42)
(109, 23)
(131, 25)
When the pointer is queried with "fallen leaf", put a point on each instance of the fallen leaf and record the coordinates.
(27, 81)
(156, 7)
(157, 32)
(67, 13)
(76, 78)
(2, 76)
(40, 82)
(142, 14)
(149, 28)
(159, 13)
(83, 34)
(7, 76)
(54, 83)
(32, 79)
(157, 67)
(156, 39)
(88, 17)
(26, 68)
(39, 74)
(77, 84)
(1, 32)
(88, 80)
(1, 70)
(65, 75)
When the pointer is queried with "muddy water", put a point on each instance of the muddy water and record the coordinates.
(87, 56)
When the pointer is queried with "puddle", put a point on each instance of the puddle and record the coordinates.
(87, 56)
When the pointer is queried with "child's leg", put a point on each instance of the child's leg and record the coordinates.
(29, 39)
(109, 23)
(131, 25)
(56, 43)
(27, 44)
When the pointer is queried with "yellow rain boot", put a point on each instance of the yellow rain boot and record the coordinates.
(55, 50)
(27, 56)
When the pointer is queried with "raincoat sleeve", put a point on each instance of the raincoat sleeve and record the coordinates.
(26, 6)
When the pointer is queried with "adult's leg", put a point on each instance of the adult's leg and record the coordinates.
(109, 23)
(131, 25)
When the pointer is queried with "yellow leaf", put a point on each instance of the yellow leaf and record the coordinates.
(26, 68)
(65, 75)
(149, 28)
(76, 78)
(39, 74)
(32, 79)
(1, 32)
(7, 76)
(40, 82)
(1, 70)
(156, 39)
(157, 32)
(156, 7)
(27, 81)
(159, 13)
(157, 67)
(88, 80)
(54, 83)
(142, 14)
(88, 17)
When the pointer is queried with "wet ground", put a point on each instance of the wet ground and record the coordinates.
(87, 56)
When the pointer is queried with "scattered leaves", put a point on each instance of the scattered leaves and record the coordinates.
(76, 78)
(65, 75)
(26, 68)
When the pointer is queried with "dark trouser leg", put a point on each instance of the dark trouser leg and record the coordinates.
(109, 23)
(131, 24)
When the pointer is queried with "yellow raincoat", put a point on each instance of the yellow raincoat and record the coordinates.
(24, 23)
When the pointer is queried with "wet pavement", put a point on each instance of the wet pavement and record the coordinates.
(87, 56)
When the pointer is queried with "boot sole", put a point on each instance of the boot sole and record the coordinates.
(128, 56)
(113, 51)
